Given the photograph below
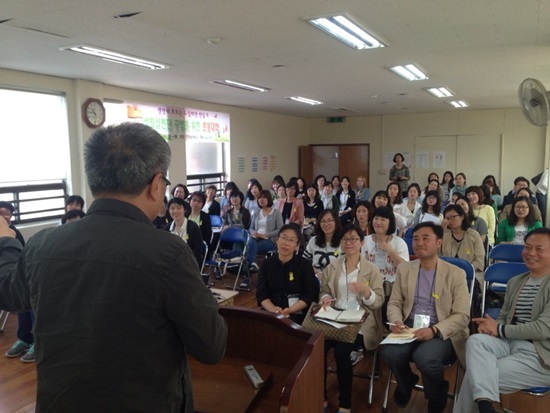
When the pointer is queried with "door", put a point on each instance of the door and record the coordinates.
(306, 163)
(353, 161)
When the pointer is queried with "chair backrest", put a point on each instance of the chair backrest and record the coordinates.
(409, 233)
(468, 269)
(216, 221)
(409, 243)
(234, 234)
(501, 272)
(506, 252)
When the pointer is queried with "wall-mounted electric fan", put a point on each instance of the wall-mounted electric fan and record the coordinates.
(533, 99)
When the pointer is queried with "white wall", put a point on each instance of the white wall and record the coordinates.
(522, 149)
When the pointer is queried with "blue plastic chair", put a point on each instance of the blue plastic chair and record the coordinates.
(506, 252)
(409, 233)
(409, 243)
(468, 269)
(232, 235)
(500, 273)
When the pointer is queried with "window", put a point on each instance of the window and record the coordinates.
(206, 157)
(36, 164)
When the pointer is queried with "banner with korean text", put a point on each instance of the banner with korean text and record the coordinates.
(183, 123)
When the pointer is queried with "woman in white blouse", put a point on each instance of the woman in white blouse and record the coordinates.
(410, 204)
(385, 249)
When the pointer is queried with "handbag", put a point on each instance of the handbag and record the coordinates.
(346, 334)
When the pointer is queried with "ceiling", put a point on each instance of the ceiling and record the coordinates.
(480, 49)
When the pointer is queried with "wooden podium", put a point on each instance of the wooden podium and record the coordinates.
(288, 357)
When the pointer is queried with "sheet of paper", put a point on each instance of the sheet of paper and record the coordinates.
(389, 340)
(332, 323)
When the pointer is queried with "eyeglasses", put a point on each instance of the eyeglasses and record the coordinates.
(327, 221)
(168, 183)
(450, 218)
(521, 207)
(288, 240)
(351, 240)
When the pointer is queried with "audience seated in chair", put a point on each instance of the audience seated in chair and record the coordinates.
(324, 247)
(349, 283)
(431, 296)
(264, 228)
(211, 206)
(512, 353)
(187, 230)
(286, 282)
(199, 217)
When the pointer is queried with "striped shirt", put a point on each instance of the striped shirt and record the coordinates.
(526, 298)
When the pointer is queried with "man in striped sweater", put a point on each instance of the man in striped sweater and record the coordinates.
(513, 352)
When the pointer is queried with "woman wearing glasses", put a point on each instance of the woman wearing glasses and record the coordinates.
(512, 230)
(461, 241)
(430, 210)
(352, 282)
(286, 283)
(324, 246)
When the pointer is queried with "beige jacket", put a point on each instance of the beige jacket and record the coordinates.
(368, 272)
(452, 301)
(470, 249)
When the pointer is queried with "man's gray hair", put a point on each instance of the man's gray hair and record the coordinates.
(124, 158)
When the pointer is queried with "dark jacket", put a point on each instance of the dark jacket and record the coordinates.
(277, 280)
(205, 226)
(214, 208)
(118, 305)
(194, 238)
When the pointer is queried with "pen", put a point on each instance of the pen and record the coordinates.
(395, 325)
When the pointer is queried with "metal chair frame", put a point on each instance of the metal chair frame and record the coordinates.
(231, 235)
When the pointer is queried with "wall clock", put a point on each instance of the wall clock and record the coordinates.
(93, 113)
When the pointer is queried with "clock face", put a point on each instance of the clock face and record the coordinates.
(94, 113)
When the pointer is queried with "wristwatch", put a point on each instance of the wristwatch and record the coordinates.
(436, 331)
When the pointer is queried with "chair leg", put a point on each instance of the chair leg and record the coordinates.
(387, 392)
(455, 395)
(5, 319)
(375, 359)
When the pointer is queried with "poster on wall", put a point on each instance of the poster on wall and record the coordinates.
(422, 160)
(439, 159)
(241, 163)
(265, 163)
(254, 163)
(273, 162)
(182, 123)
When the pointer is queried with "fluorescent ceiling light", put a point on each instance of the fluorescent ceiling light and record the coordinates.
(409, 72)
(439, 92)
(305, 100)
(116, 57)
(458, 104)
(345, 30)
(240, 85)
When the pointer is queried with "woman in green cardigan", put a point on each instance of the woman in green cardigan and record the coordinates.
(512, 230)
